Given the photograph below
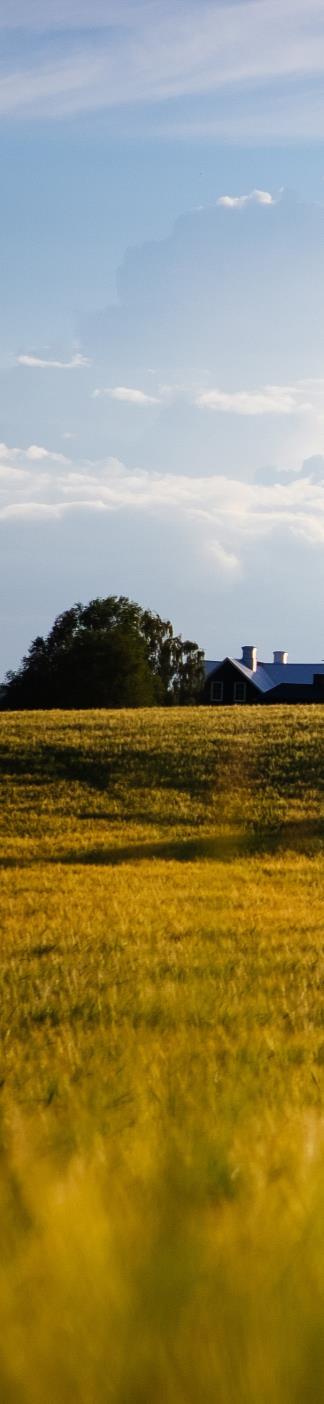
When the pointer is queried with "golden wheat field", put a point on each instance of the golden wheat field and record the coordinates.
(162, 1057)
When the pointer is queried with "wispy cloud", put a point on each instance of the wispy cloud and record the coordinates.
(77, 362)
(139, 52)
(126, 394)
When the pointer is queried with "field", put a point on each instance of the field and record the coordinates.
(162, 1057)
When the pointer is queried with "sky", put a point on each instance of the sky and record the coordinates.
(161, 317)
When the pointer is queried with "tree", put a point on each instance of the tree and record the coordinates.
(109, 653)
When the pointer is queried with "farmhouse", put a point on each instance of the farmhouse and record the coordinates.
(246, 680)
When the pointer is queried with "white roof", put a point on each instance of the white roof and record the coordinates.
(269, 675)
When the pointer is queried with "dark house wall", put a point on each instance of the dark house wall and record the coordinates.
(301, 693)
(292, 692)
(228, 675)
(319, 687)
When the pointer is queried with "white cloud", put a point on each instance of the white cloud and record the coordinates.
(5, 452)
(305, 397)
(225, 513)
(36, 454)
(272, 399)
(37, 362)
(10, 478)
(237, 202)
(126, 395)
(227, 561)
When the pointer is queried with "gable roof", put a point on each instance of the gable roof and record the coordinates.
(270, 675)
(259, 678)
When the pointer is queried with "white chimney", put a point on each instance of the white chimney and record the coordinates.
(249, 657)
(280, 656)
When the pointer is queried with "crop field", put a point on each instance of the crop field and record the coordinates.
(162, 1057)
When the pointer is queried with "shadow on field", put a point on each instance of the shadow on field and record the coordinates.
(187, 851)
(103, 771)
(305, 836)
(223, 763)
(222, 849)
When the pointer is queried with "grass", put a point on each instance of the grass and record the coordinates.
(162, 1057)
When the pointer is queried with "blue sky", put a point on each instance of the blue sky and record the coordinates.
(162, 313)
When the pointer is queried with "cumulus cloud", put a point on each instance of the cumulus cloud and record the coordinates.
(126, 395)
(35, 453)
(237, 202)
(38, 362)
(225, 513)
(223, 312)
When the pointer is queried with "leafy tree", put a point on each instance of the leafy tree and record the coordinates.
(109, 653)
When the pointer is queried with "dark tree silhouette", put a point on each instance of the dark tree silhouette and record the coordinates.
(109, 653)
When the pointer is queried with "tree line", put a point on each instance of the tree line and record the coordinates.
(108, 653)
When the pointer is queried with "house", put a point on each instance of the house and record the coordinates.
(246, 680)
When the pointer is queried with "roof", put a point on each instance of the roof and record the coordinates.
(270, 675)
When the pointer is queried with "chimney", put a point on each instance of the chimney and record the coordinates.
(249, 657)
(280, 656)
